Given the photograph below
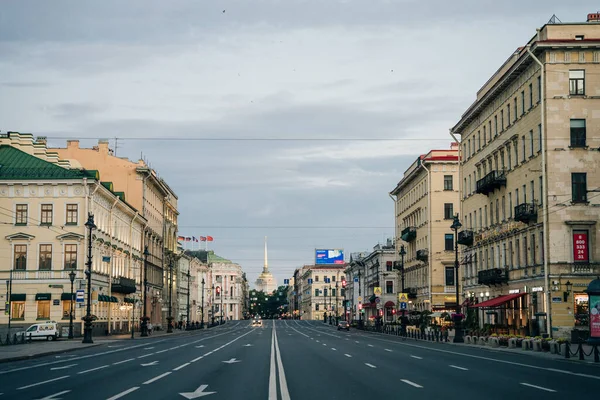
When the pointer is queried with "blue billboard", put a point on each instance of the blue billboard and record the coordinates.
(329, 256)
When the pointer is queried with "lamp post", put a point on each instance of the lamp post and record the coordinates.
(145, 316)
(188, 299)
(330, 305)
(458, 335)
(360, 302)
(202, 307)
(8, 296)
(72, 279)
(336, 302)
(402, 318)
(87, 330)
(133, 315)
(221, 294)
(212, 306)
(170, 318)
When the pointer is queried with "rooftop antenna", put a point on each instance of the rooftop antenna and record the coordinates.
(116, 145)
(554, 20)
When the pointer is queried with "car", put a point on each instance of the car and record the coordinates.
(257, 322)
(343, 325)
(48, 331)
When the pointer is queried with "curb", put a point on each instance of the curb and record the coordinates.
(48, 353)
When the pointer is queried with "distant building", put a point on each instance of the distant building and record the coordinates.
(266, 281)
(322, 292)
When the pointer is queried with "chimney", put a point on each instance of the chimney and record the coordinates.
(103, 146)
(593, 17)
(41, 140)
(72, 144)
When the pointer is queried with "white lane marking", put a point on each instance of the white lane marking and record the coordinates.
(125, 393)
(457, 367)
(370, 365)
(273, 370)
(124, 361)
(219, 348)
(356, 341)
(347, 355)
(93, 369)
(537, 387)
(53, 396)
(388, 350)
(232, 361)
(146, 355)
(149, 364)
(41, 383)
(181, 366)
(197, 393)
(411, 383)
(370, 345)
(317, 341)
(333, 348)
(285, 394)
(248, 345)
(161, 351)
(66, 355)
(324, 344)
(417, 357)
(573, 373)
(200, 346)
(64, 367)
(116, 345)
(157, 378)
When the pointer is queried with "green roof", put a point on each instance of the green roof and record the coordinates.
(18, 165)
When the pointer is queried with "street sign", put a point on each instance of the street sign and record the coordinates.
(80, 296)
(402, 297)
(105, 259)
(356, 279)
(378, 300)
(360, 299)
(347, 308)
(286, 281)
(377, 291)
(403, 305)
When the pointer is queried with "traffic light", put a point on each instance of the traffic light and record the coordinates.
(218, 290)
(360, 306)
(343, 283)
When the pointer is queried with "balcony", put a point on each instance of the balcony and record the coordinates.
(465, 238)
(423, 254)
(123, 285)
(409, 234)
(492, 277)
(492, 181)
(526, 212)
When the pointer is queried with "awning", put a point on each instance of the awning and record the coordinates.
(498, 301)
(17, 297)
(103, 298)
(113, 299)
(389, 304)
(368, 305)
(67, 296)
(43, 296)
(129, 300)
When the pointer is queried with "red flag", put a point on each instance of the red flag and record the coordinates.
(209, 238)
(188, 239)
(203, 238)
(180, 238)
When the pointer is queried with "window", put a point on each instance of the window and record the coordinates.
(485, 216)
(21, 257)
(522, 102)
(45, 257)
(532, 191)
(389, 287)
(497, 211)
(523, 145)
(578, 187)
(510, 206)
(491, 213)
(508, 113)
(577, 82)
(578, 133)
(490, 129)
(508, 160)
(333, 279)
(518, 255)
(530, 95)
(449, 276)
(316, 307)
(66, 306)
(502, 165)
(539, 88)
(503, 208)
(448, 182)
(72, 214)
(531, 142)
(484, 136)
(478, 140)
(480, 219)
(46, 214)
(70, 256)
(449, 241)
(21, 217)
(317, 278)
(43, 309)
(525, 253)
(510, 255)
(542, 249)
(541, 191)
(316, 292)
(325, 292)
(17, 310)
(448, 210)
(495, 125)
(475, 218)
(524, 193)
(517, 197)
(468, 148)
(539, 137)
(515, 105)
(533, 260)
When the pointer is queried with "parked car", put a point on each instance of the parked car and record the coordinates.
(45, 330)
(343, 325)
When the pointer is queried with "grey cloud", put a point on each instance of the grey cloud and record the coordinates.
(75, 110)
(24, 85)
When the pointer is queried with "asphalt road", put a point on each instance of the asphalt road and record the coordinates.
(290, 360)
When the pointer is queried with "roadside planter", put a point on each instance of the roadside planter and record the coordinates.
(482, 340)
(512, 343)
(494, 342)
(537, 344)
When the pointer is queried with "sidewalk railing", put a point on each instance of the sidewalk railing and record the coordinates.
(12, 340)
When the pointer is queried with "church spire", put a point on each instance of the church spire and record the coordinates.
(266, 267)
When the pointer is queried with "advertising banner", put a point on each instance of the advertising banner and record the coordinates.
(329, 256)
(595, 316)
(580, 246)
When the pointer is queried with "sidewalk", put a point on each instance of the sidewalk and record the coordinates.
(40, 348)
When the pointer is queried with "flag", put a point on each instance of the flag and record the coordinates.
(203, 238)
(188, 239)
(180, 238)
(194, 238)
(209, 238)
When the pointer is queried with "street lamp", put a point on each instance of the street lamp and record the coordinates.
(360, 302)
(336, 303)
(87, 330)
(72, 279)
(8, 303)
(330, 305)
(170, 318)
(221, 294)
(188, 299)
(402, 318)
(134, 300)
(458, 335)
(145, 316)
(212, 306)
(202, 307)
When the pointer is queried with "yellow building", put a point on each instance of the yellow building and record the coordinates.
(44, 207)
(426, 200)
(158, 203)
(320, 295)
(529, 155)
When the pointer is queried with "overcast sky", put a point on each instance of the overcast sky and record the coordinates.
(164, 76)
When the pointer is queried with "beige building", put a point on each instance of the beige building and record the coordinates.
(320, 296)
(529, 154)
(426, 200)
(44, 206)
(197, 271)
(158, 204)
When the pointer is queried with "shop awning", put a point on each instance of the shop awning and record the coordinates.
(498, 301)
(67, 296)
(17, 297)
(103, 298)
(389, 304)
(113, 299)
(43, 296)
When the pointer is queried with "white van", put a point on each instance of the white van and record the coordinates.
(47, 330)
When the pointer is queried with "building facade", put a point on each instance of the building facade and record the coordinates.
(322, 292)
(426, 200)
(45, 206)
(529, 151)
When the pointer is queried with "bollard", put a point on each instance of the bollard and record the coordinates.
(581, 357)
(15, 340)
(596, 354)
(567, 350)
(8, 338)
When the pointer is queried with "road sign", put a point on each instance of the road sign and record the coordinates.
(360, 299)
(403, 306)
(286, 281)
(378, 300)
(356, 279)
(377, 291)
(105, 259)
(403, 297)
(79, 296)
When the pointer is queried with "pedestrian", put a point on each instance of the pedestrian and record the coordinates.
(150, 328)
